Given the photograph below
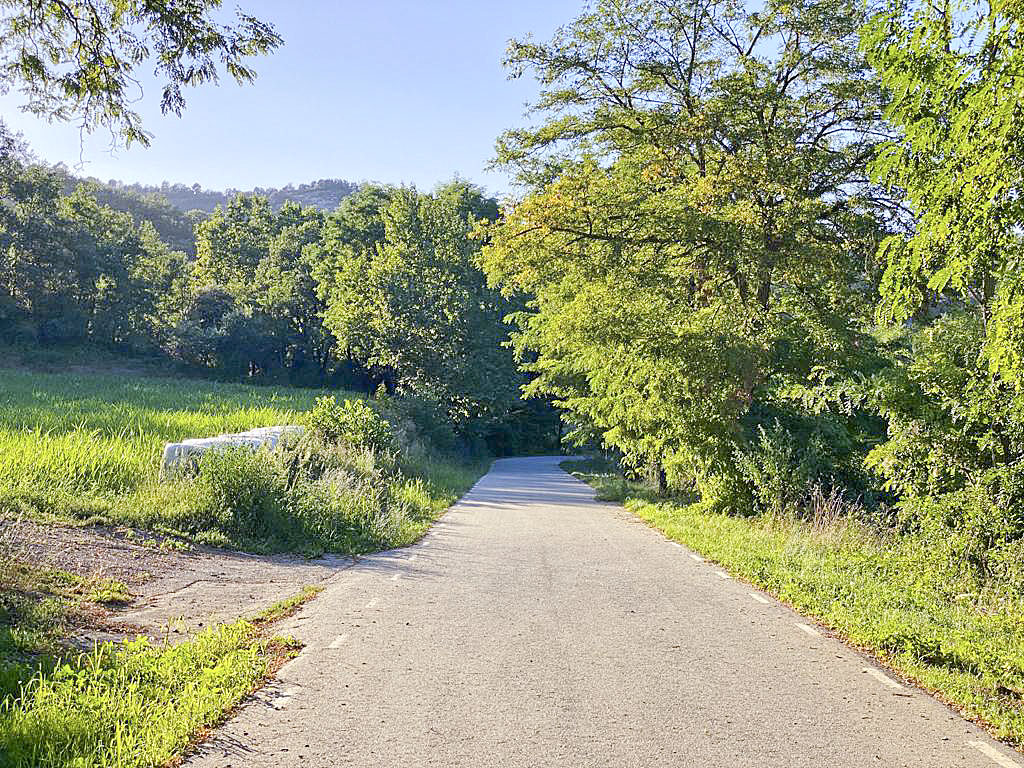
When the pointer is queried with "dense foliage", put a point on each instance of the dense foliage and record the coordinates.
(383, 292)
(774, 256)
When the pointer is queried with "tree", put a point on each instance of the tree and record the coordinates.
(262, 259)
(953, 73)
(405, 296)
(697, 222)
(285, 292)
(78, 59)
(72, 269)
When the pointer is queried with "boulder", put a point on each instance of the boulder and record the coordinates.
(188, 451)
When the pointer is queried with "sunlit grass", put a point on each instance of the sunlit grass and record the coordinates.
(87, 447)
(101, 435)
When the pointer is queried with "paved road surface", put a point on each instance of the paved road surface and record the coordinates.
(536, 627)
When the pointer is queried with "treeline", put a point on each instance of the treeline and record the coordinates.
(381, 294)
(775, 255)
(325, 194)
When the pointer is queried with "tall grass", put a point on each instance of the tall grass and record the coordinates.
(87, 447)
(101, 435)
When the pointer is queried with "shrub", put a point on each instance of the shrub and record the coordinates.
(353, 422)
(776, 472)
(975, 526)
(244, 493)
(421, 425)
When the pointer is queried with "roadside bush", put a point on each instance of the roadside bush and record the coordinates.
(352, 422)
(777, 472)
(341, 487)
(727, 494)
(973, 527)
(421, 425)
(243, 492)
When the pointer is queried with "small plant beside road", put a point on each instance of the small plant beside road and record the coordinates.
(137, 704)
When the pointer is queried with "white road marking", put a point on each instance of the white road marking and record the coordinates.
(722, 575)
(882, 678)
(373, 602)
(396, 577)
(809, 630)
(696, 558)
(760, 599)
(282, 701)
(411, 559)
(676, 544)
(339, 640)
(996, 756)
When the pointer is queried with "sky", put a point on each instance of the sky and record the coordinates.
(395, 91)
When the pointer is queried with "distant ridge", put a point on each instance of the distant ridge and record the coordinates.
(325, 194)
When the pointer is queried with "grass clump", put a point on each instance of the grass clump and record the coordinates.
(131, 704)
(38, 608)
(886, 592)
(135, 704)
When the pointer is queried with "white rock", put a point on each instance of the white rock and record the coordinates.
(177, 454)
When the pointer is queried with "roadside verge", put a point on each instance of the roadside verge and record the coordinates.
(872, 591)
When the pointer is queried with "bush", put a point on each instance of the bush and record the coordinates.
(973, 527)
(776, 472)
(352, 422)
(244, 493)
(421, 425)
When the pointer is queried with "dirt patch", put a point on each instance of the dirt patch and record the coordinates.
(173, 592)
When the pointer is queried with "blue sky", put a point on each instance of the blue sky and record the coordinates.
(383, 90)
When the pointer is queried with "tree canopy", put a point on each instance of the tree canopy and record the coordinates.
(698, 225)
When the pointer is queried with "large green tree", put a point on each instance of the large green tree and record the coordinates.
(405, 296)
(953, 397)
(953, 71)
(254, 295)
(697, 225)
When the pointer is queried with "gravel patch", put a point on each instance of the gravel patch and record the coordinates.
(174, 592)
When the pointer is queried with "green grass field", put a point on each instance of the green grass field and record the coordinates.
(100, 436)
(86, 447)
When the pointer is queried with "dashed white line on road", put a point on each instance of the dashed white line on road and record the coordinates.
(994, 754)
(882, 678)
(396, 577)
(809, 630)
(410, 559)
(373, 602)
(760, 599)
(339, 640)
(282, 700)
(696, 558)
(722, 575)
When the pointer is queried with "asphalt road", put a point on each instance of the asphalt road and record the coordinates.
(536, 627)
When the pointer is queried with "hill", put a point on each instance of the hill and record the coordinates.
(325, 194)
(173, 224)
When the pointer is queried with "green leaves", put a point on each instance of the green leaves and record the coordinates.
(77, 61)
(952, 72)
(405, 295)
(697, 219)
